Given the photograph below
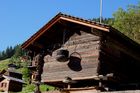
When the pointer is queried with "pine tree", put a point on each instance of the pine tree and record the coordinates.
(18, 51)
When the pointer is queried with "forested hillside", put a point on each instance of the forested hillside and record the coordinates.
(10, 51)
(7, 53)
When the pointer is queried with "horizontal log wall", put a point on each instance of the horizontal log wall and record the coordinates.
(87, 46)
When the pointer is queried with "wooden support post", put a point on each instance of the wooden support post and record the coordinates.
(100, 83)
(37, 88)
(103, 78)
(68, 86)
(39, 70)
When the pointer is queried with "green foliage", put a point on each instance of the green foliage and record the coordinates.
(128, 21)
(15, 61)
(28, 88)
(18, 51)
(16, 58)
(25, 72)
(44, 87)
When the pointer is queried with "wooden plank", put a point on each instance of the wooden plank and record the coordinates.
(83, 35)
(60, 75)
(86, 24)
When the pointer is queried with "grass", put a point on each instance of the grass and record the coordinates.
(44, 87)
(3, 64)
(30, 88)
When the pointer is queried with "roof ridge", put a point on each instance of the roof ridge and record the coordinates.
(82, 19)
(13, 78)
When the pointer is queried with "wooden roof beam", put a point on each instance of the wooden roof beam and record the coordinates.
(86, 24)
(38, 45)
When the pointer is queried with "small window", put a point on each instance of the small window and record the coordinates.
(2, 84)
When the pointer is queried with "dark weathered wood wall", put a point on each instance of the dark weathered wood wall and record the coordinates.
(87, 45)
(119, 58)
(15, 86)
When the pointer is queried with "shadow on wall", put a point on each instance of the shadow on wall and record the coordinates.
(75, 62)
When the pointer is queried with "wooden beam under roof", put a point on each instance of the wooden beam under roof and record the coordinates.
(85, 24)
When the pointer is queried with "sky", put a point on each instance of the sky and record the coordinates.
(20, 19)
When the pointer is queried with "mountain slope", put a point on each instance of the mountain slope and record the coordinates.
(3, 64)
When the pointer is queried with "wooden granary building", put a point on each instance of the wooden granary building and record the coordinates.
(10, 81)
(72, 53)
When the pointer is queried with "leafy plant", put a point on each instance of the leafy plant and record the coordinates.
(128, 21)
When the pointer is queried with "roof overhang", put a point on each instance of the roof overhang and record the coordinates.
(13, 79)
(68, 18)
